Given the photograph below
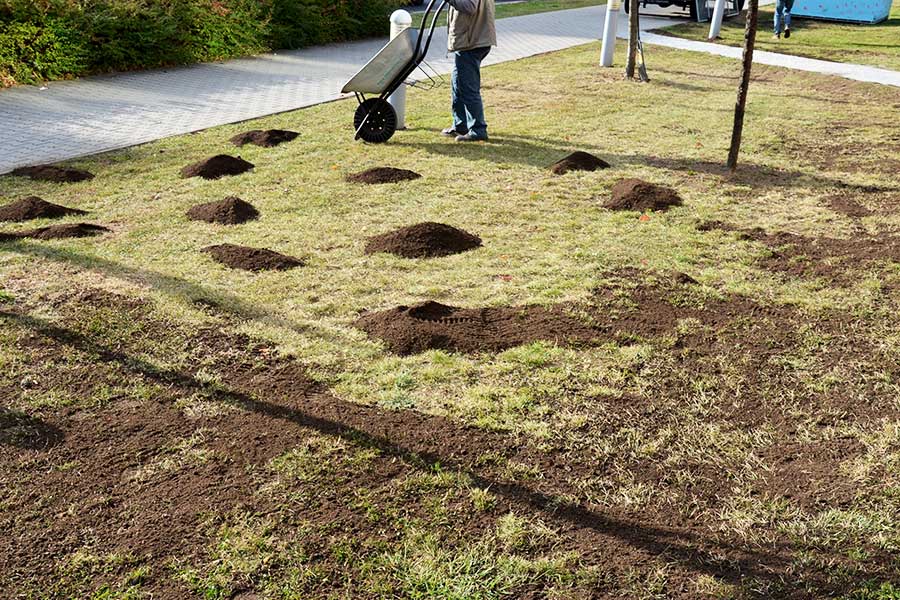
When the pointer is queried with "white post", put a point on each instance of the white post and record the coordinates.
(400, 20)
(610, 29)
(715, 24)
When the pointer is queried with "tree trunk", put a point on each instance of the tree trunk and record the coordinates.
(632, 38)
(740, 105)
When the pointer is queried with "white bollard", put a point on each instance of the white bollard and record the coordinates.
(400, 20)
(610, 29)
(715, 24)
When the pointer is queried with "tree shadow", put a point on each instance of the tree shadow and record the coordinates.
(24, 431)
(424, 445)
(177, 287)
(543, 152)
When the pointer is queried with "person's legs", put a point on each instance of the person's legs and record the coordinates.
(788, 5)
(468, 65)
(457, 108)
(779, 15)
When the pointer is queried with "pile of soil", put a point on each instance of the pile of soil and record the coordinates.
(33, 207)
(636, 194)
(423, 240)
(54, 174)
(251, 259)
(57, 232)
(69, 230)
(431, 325)
(578, 161)
(383, 175)
(230, 211)
(216, 167)
(267, 139)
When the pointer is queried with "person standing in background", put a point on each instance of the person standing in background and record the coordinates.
(471, 33)
(783, 18)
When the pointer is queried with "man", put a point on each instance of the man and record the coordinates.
(783, 17)
(471, 34)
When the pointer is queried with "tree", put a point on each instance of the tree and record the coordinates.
(633, 23)
(740, 105)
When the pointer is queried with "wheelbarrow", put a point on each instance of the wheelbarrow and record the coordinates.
(375, 120)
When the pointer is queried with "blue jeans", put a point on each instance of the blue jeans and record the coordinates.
(783, 15)
(465, 92)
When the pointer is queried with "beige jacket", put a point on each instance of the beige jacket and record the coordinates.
(471, 25)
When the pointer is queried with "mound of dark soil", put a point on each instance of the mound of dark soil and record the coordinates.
(251, 259)
(57, 232)
(636, 194)
(431, 325)
(230, 211)
(218, 166)
(267, 139)
(578, 161)
(69, 230)
(383, 175)
(54, 174)
(33, 207)
(423, 240)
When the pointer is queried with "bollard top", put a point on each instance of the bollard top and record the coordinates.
(401, 17)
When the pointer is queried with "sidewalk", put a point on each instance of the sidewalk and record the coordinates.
(799, 63)
(76, 118)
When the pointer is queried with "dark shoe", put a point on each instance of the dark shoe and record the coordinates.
(787, 32)
(471, 137)
(452, 132)
(777, 36)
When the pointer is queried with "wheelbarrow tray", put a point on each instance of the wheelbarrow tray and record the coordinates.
(377, 74)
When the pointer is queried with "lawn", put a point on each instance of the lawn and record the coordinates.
(729, 427)
(875, 45)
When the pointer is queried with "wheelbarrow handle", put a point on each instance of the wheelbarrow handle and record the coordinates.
(419, 53)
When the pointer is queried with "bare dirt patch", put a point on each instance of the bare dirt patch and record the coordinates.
(848, 206)
(221, 165)
(828, 258)
(266, 139)
(578, 161)
(635, 194)
(423, 240)
(229, 211)
(33, 207)
(251, 259)
(809, 473)
(431, 325)
(52, 173)
(106, 497)
(383, 175)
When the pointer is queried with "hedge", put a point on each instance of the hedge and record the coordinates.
(55, 39)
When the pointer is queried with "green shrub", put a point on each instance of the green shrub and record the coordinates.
(53, 39)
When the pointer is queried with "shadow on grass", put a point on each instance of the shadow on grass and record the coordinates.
(28, 432)
(177, 287)
(421, 440)
(543, 152)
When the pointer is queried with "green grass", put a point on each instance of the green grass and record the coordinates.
(551, 241)
(874, 45)
(517, 9)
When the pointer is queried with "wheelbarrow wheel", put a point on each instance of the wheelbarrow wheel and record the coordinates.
(380, 124)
